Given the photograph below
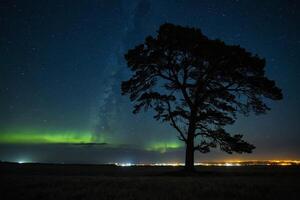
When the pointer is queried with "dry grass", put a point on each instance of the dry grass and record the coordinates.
(108, 182)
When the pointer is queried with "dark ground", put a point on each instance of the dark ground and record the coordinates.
(46, 181)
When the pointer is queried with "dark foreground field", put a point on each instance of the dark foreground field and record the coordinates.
(35, 181)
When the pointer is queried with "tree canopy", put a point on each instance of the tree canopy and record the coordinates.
(198, 85)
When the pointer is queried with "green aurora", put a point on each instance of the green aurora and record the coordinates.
(46, 137)
(162, 147)
(77, 137)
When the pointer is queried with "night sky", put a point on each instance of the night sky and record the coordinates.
(61, 65)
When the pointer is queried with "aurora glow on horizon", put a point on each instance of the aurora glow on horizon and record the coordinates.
(49, 137)
(61, 65)
(79, 138)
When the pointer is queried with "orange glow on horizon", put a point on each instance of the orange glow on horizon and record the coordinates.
(229, 163)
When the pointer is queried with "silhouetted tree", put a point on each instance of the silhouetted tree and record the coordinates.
(198, 85)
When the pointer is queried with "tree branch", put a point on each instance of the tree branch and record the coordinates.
(174, 123)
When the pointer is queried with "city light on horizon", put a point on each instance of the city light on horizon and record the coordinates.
(236, 163)
(221, 164)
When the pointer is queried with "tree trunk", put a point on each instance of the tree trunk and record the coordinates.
(189, 152)
(189, 155)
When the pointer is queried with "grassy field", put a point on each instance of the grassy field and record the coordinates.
(39, 181)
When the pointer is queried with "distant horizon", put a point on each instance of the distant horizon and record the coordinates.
(228, 163)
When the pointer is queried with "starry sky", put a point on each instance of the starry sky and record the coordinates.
(61, 65)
